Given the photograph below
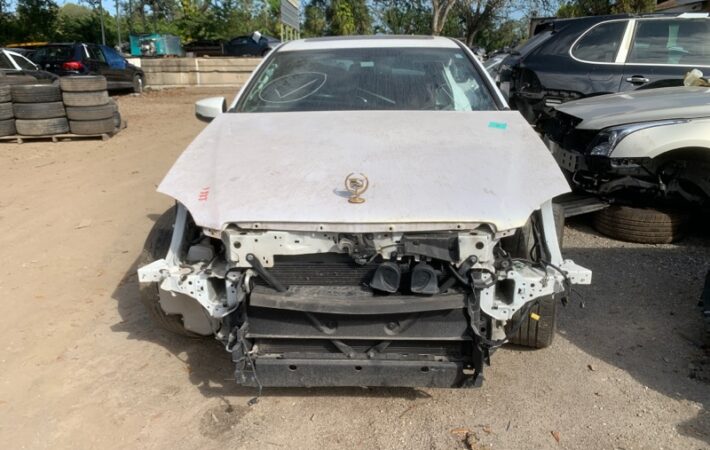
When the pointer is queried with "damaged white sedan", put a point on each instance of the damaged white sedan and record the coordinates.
(367, 212)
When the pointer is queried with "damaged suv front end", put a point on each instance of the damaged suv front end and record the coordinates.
(651, 145)
(363, 248)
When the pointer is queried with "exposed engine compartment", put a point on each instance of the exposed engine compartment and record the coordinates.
(300, 308)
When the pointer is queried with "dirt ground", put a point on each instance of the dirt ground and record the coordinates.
(81, 366)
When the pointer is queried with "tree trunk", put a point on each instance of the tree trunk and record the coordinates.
(440, 11)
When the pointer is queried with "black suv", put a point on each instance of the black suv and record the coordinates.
(250, 45)
(571, 58)
(90, 59)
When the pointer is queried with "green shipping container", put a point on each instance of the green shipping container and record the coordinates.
(151, 45)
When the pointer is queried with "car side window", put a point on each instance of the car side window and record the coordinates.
(96, 54)
(23, 62)
(239, 41)
(601, 43)
(113, 57)
(680, 41)
(5, 62)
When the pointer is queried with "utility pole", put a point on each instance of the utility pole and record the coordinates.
(101, 20)
(118, 23)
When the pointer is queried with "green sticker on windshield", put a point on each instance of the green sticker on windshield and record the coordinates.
(498, 125)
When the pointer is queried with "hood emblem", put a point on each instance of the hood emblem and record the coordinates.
(356, 184)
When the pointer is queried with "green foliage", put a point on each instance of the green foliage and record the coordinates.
(484, 23)
(580, 8)
(507, 34)
(76, 23)
(315, 23)
(342, 19)
(37, 19)
(361, 16)
(8, 27)
(634, 6)
(196, 21)
(403, 16)
(337, 17)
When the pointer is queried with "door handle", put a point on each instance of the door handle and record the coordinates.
(638, 79)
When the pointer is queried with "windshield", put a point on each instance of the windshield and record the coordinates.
(368, 79)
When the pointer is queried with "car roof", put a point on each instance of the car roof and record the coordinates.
(376, 41)
(666, 15)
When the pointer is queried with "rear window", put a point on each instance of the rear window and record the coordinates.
(681, 41)
(368, 79)
(601, 43)
(54, 53)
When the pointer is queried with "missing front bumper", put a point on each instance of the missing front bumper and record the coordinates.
(356, 372)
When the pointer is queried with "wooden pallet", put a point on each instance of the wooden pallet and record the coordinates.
(19, 139)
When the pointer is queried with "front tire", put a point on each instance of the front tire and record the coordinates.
(156, 247)
(641, 225)
(137, 84)
(538, 333)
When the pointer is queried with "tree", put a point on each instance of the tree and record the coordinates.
(634, 6)
(361, 16)
(196, 20)
(342, 19)
(440, 10)
(37, 19)
(478, 15)
(337, 17)
(403, 16)
(580, 8)
(315, 23)
(507, 34)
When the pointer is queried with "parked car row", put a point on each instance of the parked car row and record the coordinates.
(90, 59)
(608, 95)
(255, 44)
(574, 58)
(67, 59)
(49, 61)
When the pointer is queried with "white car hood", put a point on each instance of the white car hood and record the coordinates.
(427, 170)
(639, 106)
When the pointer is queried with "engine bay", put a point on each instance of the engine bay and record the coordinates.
(311, 298)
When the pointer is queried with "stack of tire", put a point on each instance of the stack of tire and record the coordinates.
(38, 110)
(7, 117)
(89, 108)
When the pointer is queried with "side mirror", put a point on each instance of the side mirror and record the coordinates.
(209, 108)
